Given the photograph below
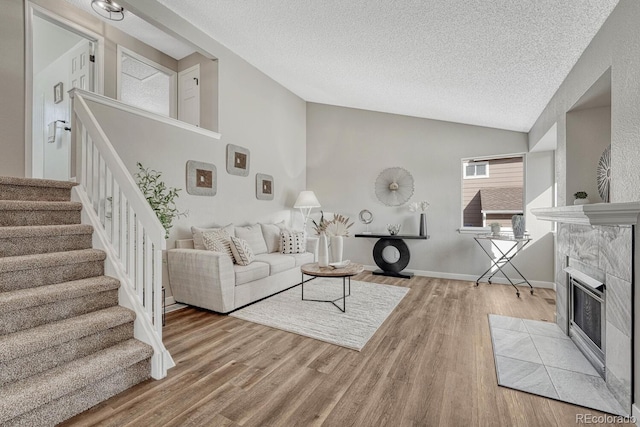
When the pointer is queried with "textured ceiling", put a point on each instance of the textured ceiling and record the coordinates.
(142, 31)
(493, 63)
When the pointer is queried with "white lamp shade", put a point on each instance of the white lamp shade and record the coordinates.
(307, 199)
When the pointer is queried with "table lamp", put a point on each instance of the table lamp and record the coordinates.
(306, 201)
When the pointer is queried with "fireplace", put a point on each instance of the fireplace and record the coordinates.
(587, 317)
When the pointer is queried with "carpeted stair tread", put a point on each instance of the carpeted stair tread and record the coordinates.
(28, 341)
(31, 297)
(38, 205)
(29, 262)
(44, 230)
(36, 182)
(28, 394)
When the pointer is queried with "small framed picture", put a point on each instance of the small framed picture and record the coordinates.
(264, 187)
(237, 160)
(202, 178)
(57, 93)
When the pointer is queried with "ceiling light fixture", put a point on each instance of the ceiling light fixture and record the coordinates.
(108, 9)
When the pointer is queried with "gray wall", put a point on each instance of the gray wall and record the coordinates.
(348, 148)
(588, 135)
(12, 80)
(615, 46)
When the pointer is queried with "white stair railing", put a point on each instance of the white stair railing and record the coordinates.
(125, 227)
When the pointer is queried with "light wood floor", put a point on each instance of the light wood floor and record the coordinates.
(430, 364)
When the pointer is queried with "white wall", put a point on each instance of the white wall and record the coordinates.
(348, 148)
(588, 135)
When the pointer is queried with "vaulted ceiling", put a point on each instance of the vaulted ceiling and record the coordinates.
(490, 63)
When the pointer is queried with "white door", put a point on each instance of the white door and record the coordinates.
(80, 74)
(189, 95)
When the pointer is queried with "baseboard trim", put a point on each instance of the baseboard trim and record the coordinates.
(468, 277)
(169, 301)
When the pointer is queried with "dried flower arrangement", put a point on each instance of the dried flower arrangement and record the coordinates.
(338, 226)
(418, 206)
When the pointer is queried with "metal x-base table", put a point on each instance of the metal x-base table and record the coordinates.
(517, 244)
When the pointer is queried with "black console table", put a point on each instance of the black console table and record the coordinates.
(387, 268)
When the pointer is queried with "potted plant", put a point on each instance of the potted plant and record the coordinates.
(336, 229)
(495, 228)
(161, 198)
(580, 198)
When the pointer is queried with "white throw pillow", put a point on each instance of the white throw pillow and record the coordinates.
(218, 241)
(271, 234)
(253, 235)
(197, 234)
(292, 242)
(242, 251)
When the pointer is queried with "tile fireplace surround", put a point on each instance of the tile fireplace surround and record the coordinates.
(598, 240)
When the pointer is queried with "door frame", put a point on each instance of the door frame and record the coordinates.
(32, 10)
(173, 77)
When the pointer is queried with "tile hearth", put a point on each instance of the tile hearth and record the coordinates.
(538, 358)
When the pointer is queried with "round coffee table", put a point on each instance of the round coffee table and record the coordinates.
(345, 273)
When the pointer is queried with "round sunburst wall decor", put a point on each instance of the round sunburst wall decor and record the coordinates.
(604, 174)
(394, 186)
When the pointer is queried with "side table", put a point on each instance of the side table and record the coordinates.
(391, 267)
(517, 244)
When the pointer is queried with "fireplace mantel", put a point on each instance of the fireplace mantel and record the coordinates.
(592, 214)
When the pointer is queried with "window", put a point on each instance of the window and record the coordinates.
(493, 198)
(474, 169)
(146, 84)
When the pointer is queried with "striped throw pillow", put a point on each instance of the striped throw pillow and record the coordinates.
(218, 241)
(292, 242)
(242, 251)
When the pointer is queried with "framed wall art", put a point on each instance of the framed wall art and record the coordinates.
(202, 178)
(58, 93)
(264, 187)
(237, 160)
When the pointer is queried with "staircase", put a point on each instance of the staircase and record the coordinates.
(65, 343)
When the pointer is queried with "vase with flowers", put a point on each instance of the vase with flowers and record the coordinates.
(421, 207)
(335, 230)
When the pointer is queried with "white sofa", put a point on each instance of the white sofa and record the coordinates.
(211, 280)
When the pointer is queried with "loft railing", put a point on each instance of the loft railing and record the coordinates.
(125, 226)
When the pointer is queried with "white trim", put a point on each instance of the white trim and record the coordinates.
(592, 214)
(144, 113)
(474, 230)
(468, 277)
(98, 82)
(173, 76)
(487, 211)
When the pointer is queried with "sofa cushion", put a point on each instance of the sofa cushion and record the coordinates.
(241, 251)
(197, 234)
(271, 234)
(248, 273)
(304, 258)
(218, 241)
(253, 235)
(292, 242)
(277, 262)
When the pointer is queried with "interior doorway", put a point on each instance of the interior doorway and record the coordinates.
(61, 58)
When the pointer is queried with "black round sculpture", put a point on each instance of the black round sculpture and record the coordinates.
(388, 267)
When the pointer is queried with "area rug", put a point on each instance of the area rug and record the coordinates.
(366, 309)
(537, 357)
